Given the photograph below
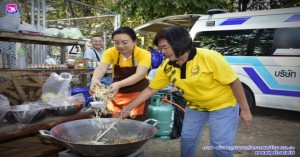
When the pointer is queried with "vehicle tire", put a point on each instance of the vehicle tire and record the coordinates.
(250, 97)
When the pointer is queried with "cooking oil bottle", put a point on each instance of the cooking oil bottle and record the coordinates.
(164, 114)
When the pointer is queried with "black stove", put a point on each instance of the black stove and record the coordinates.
(69, 153)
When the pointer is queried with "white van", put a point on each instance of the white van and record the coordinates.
(264, 49)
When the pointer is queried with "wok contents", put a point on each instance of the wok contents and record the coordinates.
(117, 140)
(101, 97)
(118, 137)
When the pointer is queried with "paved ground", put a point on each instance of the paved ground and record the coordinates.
(270, 127)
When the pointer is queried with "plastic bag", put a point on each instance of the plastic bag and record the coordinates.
(27, 27)
(67, 105)
(4, 106)
(178, 114)
(27, 112)
(56, 85)
(53, 32)
(67, 100)
(156, 58)
(73, 33)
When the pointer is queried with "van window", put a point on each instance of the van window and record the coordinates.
(256, 42)
(286, 41)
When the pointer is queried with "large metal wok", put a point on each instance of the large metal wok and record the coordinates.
(79, 135)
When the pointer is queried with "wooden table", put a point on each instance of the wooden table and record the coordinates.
(31, 146)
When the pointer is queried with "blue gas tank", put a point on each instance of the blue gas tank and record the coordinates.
(164, 114)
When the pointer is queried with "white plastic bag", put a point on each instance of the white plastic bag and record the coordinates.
(27, 27)
(4, 106)
(53, 32)
(72, 33)
(56, 85)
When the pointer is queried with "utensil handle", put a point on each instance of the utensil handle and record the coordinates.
(155, 121)
(45, 133)
(111, 126)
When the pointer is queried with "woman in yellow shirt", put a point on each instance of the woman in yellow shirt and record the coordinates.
(211, 87)
(130, 65)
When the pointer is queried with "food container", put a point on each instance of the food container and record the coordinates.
(71, 63)
(80, 65)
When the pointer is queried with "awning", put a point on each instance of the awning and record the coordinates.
(187, 21)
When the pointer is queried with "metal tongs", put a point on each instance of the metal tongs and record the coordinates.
(109, 128)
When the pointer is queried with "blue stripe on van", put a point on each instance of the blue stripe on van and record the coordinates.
(264, 87)
(235, 21)
(262, 71)
(293, 18)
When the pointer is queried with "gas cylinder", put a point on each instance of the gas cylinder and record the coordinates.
(164, 114)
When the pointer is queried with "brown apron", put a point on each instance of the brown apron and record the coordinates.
(126, 94)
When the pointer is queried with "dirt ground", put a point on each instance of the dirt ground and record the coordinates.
(270, 127)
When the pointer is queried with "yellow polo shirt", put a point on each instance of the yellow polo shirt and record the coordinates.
(204, 80)
(141, 57)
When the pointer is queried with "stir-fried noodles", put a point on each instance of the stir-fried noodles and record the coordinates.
(101, 93)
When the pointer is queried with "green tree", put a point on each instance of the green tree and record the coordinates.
(272, 4)
(136, 12)
(89, 26)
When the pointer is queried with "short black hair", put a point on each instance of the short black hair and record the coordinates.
(96, 35)
(125, 30)
(178, 37)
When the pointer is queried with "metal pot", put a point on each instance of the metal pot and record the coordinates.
(125, 138)
(67, 110)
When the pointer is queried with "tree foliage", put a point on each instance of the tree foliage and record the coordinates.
(88, 26)
(65, 9)
(272, 4)
(137, 12)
